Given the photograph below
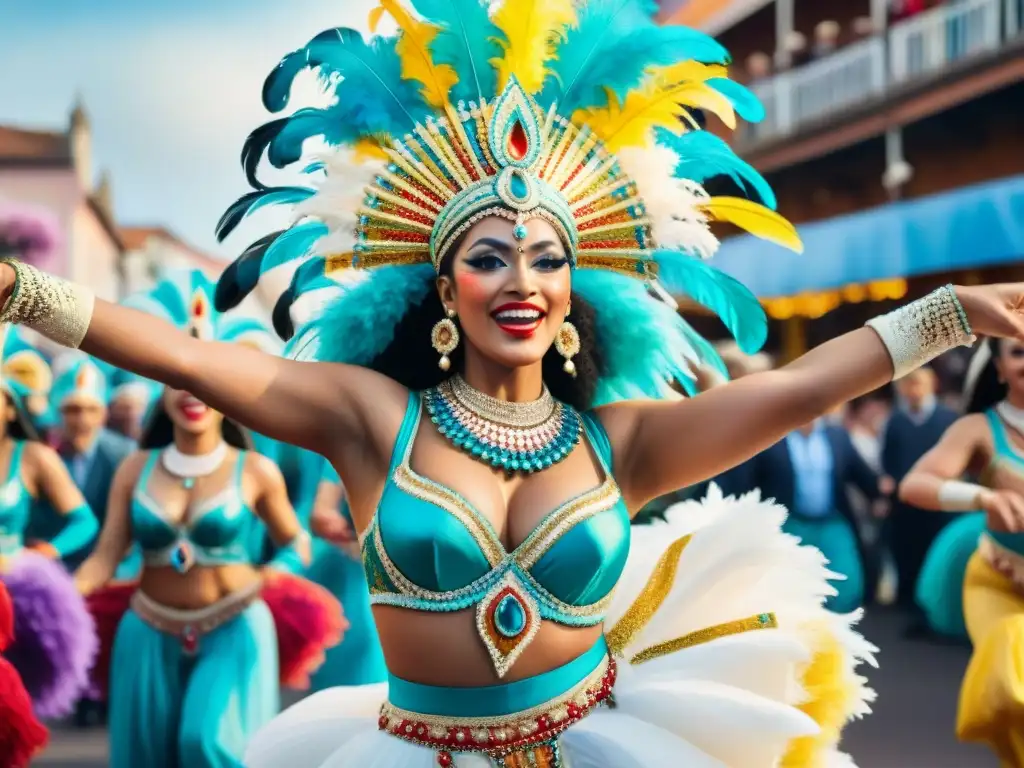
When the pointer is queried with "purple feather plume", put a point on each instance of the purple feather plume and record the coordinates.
(31, 234)
(54, 636)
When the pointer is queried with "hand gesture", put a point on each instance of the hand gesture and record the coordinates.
(994, 310)
(1004, 511)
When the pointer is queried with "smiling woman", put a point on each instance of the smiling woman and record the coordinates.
(492, 174)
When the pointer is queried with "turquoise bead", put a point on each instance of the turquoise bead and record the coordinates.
(520, 232)
(510, 616)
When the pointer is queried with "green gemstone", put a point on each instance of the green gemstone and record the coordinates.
(510, 616)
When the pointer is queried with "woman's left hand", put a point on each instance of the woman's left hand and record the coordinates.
(994, 310)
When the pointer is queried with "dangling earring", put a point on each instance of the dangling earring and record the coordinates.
(444, 337)
(567, 344)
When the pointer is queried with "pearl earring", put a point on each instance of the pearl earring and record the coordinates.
(444, 337)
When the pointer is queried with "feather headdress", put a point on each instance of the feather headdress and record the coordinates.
(578, 112)
(185, 298)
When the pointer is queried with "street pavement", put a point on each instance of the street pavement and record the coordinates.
(912, 725)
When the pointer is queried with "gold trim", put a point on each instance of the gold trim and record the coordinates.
(650, 599)
(563, 518)
(701, 636)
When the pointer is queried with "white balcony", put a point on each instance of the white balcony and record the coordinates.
(919, 48)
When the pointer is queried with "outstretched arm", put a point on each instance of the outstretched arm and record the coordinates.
(312, 405)
(660, 446)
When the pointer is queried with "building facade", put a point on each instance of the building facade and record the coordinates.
(52, 172)
(892, 139)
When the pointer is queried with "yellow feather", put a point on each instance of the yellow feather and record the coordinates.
(368, 149)
(413, 48)
(755, 219)
(533, 29)
(660, 102)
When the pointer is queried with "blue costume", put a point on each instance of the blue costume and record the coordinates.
(174, 704)
(188, 688)
(54, 639)
(358, 658)
(577, 114)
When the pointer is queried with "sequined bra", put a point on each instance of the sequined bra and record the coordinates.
(428, 549)
(214, 532)
(15, 506)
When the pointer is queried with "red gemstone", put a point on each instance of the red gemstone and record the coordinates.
(444, 759)
(189, 640)
(518, 143)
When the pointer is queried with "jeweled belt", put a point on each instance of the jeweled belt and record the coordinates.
(526, 739)
(189, 626)
(1002, 559)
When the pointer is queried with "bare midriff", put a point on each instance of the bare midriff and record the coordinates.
(445, 649)
(200, 587)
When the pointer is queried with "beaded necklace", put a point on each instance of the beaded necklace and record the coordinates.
(515, 437)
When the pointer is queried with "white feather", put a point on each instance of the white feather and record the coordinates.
(672, 204)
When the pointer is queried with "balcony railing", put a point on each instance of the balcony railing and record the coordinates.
(921, 47)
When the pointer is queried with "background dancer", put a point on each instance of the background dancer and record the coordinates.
(195, 667)
(54, 642)
(987, 444)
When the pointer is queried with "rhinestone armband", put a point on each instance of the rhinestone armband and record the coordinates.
(59, 310)
(923, 330)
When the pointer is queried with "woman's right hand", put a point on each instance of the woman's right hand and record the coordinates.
(1004, 510)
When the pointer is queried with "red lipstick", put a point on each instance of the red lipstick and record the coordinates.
(518, 319)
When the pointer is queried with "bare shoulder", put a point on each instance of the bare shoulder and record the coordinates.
(620, 419)
(129, 471)
(373, 395)
(973, 426)
(263, 470)
(39, 457)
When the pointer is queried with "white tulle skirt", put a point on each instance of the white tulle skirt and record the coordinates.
(726, 659)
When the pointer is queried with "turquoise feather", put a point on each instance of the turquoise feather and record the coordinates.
(702, 156)
(746, 104)
(613, 45)
(359, 324)
(467, 42)
(735, 305)
(643, 341)
(366, 79)
(292, 245)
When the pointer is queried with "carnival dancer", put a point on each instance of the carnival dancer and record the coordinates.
(987, 444)
(337, 566)
(512, 188)
(22, 736)
(54, 639)
(195, 668)
(25, 365)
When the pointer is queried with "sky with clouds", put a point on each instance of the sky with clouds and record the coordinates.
(172, 88)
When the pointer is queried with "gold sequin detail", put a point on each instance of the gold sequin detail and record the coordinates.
(59, 310)
(650, 599)
(761, 621)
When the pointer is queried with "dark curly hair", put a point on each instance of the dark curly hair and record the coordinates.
(411, 361)
(21, 427)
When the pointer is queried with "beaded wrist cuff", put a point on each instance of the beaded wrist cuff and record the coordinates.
(923, 330)
(59, 310)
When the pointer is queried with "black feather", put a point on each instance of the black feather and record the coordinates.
(253, 201)
(256, 146)
(242, 275)
(282, 314)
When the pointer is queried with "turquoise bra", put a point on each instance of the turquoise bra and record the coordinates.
(1005, 455)
(428, 549)
(15, 506)
(214, 532)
